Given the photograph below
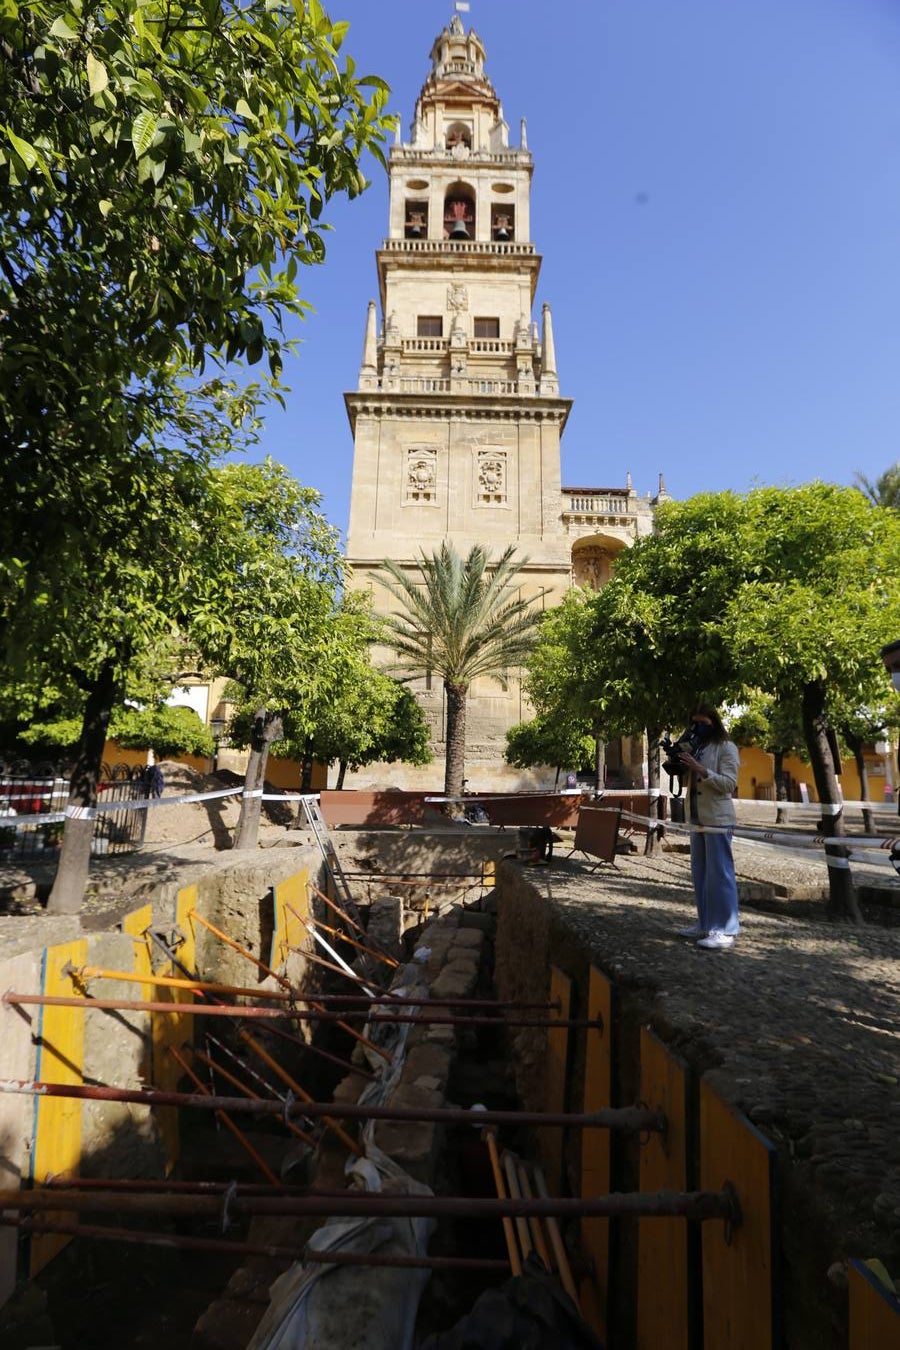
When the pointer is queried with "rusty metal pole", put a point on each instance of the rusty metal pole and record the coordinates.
(697, 1206)
(509, 1232)
(312, 1014)
(226, 1246)
(227, 1121)
(345, 937)
(628, 1119)
(236, 946)
(297, 1090)
(248, 1092)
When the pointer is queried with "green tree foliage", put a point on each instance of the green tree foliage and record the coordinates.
(787, 591)
(372, 718)
(163, 170)
(885, 491)
(559, 743)
(267, 612)
(465, 618)
(166, 730)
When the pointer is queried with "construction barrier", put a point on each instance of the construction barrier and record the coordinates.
(874, 1311)
(556, 1077)
(663, 1287)
(595, 1145)
(597, 832)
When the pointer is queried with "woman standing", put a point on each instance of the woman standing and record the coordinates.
(711, 786)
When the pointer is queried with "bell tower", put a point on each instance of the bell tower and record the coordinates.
(457, 414)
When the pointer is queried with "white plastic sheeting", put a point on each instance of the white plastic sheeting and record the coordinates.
(322, 1307)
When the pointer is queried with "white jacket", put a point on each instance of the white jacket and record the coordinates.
(722, 760)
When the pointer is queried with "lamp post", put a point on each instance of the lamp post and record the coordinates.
(217, 727)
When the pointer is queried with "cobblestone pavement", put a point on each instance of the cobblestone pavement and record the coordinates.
(797, 1024)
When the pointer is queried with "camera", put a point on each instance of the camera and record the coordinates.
(688, 741)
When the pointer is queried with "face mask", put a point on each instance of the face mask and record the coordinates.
(895, 679)
(702, 730)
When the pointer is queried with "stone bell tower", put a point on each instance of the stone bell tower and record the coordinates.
(457, 415)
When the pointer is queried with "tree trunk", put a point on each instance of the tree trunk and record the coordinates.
(266, 729)
(75, 854)
(842, 903)
(856, 747)
(455, 766)
(342, 774)
(654, 836)
(307, 766)
(780, 786)
(599, 763)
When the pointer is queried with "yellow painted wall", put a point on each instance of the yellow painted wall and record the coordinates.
(757, 772)
(173, 1029)
(281, 773)
(289, 932)
(57, 1126)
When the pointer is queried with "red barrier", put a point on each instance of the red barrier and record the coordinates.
(353, 807)
(597, 831)
(555, 809)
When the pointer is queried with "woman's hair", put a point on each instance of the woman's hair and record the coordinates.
(709, 710)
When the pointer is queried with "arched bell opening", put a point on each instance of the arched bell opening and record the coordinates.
(459, 213)
(503, 222)
(415, 225)
(458, 133)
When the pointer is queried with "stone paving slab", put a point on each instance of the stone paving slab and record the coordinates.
(797, 1025)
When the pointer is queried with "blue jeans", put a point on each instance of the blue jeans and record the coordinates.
(715, 888)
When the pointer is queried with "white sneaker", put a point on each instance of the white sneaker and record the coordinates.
(716, 941)
(695, 931)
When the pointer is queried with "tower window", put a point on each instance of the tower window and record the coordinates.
(429, 325)
(486, 328)
(416, 221)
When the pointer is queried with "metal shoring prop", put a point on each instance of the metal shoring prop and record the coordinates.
(297, 1090)
(271, 1031)
(629, 1119)
(697, 1206)
(226, 1119)
(537, 1228)
(512, 1186)
(86, 973)
(348, 919)
(556, 1242)
(285, 983)
(323, 942)
(489, 1135)
(225, 1245)
(345, 937)
(248, 1092)
(310, 1015)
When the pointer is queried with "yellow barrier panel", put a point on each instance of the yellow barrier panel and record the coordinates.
(874, 1311)
(172, 1030)
(663, 1291)
(60, 1059)
(738, 1276)
(555, 1080)
(595, 1147)
(136, 925)
(288, 931)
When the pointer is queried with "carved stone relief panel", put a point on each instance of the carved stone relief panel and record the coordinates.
(490, 477)
(420, 480)
(457, 297)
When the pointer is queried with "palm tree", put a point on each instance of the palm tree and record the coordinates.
(464, 619)
(885, 491)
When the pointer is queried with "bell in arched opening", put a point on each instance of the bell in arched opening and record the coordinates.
(458, 217)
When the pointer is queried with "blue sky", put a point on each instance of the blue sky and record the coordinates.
(717, 201)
